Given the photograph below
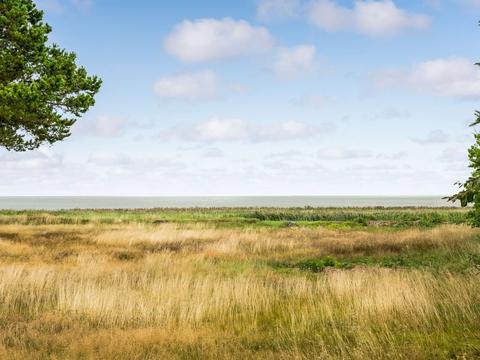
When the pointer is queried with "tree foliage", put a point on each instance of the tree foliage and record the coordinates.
(42, 90)
(470, 190)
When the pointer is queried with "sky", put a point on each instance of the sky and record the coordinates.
(263, 97)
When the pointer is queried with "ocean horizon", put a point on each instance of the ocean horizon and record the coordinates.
(146, 202)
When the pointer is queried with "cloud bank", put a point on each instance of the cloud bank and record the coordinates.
(234, 129)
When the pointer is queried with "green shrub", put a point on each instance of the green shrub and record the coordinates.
(316, 265)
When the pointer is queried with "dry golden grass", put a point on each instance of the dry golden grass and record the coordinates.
(189, 291)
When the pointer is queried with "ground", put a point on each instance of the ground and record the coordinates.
(239, 283)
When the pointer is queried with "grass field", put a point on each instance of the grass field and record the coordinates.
(239, 283)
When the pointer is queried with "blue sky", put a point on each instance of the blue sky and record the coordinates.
(267, 97)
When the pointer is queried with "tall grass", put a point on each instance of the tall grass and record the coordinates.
(141, 291)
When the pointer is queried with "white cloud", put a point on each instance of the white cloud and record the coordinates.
(212, 39)
(109, 126)
(189, 86)
(339, 153)
(109, 159)
(228, 130)
(41, 158)
(329, 16)
(384, 18)
(374, 18)
(451, 77)
(286, 130)
(220, 130)
(295, 61)
(434, 137)
(455, 77)
(343, 154)
(277, 9)
(102, 126)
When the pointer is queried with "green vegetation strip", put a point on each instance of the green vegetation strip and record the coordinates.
(249, 217)
(439, 261)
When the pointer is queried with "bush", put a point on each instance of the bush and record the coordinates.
(316, 265)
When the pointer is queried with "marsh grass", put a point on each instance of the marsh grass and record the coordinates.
(247, 217)
(194, 290)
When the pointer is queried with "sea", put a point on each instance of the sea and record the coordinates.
(107, 202)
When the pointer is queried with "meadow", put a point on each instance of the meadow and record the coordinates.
(300, 283)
